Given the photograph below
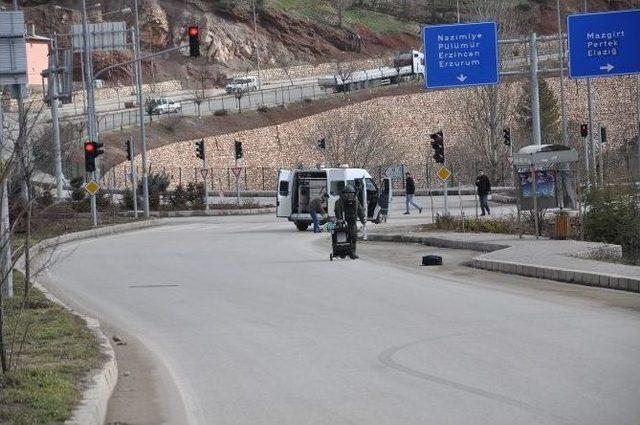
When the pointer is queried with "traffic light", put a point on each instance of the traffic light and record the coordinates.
(437, 143)
(91, 152)
(322, 143)
(127, 147)
(506, 135)
(584, 130)
(200, 149)
(238, 150)
(603, 135)
(194, 42)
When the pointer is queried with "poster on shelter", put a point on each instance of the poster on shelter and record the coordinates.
(545, 184)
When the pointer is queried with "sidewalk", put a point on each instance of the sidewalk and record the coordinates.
(564, 261)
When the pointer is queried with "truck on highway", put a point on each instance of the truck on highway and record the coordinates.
(296, 189)
(407, 65)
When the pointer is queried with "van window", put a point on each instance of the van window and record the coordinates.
(284, 188)
(337, 186)
(371, 186)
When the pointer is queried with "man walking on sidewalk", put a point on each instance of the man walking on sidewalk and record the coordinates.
(411, 191)
(484, 188)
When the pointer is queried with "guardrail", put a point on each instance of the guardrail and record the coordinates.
(223, 104)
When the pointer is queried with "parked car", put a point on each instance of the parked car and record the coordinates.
(165, 105)
(242, 85)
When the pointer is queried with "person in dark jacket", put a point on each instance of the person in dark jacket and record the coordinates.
(349, 209)
(411, 191)
(484, 189)
(316, 208)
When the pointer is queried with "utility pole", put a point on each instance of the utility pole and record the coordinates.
(53, 98)
(255, 42)
(535, 93)
(143, 136)
(565, 127)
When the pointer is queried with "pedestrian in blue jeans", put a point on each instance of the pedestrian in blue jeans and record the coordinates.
(484, 189)
(315, 208)
(411, 191)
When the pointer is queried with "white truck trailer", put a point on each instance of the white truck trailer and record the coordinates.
(406, 66)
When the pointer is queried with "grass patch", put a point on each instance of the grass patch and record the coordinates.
(474, 225)
(59, 351)
(379, 22)
(323, 11)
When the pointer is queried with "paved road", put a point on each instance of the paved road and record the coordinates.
(258, 327)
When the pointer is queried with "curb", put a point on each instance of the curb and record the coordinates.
(210, 213)
(624, 283)
(92, 409)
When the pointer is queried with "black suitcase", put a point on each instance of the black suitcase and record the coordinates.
(340, 241)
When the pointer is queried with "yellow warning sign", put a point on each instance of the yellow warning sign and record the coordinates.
(92, 187)
(443, 174)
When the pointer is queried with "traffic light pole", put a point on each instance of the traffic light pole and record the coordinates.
(237, 185)
(90, 104)
(205, 174)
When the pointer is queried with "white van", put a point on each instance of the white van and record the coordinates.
(296, 188)
(242, 85)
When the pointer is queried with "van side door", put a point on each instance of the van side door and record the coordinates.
(284, 197)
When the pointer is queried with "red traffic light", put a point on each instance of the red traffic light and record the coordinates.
(584, 130)
(193, 31)
(89, 147)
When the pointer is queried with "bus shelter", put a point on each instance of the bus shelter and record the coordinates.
(545, 178)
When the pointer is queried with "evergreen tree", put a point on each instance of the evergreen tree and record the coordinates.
(549, 114)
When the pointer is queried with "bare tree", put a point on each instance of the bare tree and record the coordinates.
(204, 77)
(360, 140)
(19, 150)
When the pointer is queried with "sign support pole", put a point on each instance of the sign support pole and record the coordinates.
(535, 93)
(565, 128)
(638, 113)
(446, 186)
(205, 172)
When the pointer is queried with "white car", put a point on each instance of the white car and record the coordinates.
(242, 85)
(166, 106)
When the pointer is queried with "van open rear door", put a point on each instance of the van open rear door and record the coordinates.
(285, 194)
(387, 189)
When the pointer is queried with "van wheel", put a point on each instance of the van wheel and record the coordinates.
(302, 226)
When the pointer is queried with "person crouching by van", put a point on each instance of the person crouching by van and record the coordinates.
(349, 209)
(315, 208)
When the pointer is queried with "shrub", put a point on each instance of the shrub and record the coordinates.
(195, 196)
(220, 112)
(613, 216)
(77, 190)
(263, 108)
(178, 199)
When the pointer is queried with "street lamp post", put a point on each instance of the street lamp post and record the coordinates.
(143, 136)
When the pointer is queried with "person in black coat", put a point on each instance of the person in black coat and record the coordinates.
(484, 189)
(411, 191)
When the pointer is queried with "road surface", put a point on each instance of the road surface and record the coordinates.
(256, 326)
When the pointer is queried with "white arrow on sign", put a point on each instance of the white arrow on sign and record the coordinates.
(461, 77)
(608, 67)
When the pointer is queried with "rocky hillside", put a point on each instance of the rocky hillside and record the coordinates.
(289, 32)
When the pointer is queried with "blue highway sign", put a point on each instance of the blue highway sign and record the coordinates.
(461, 55)
(604, 44)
